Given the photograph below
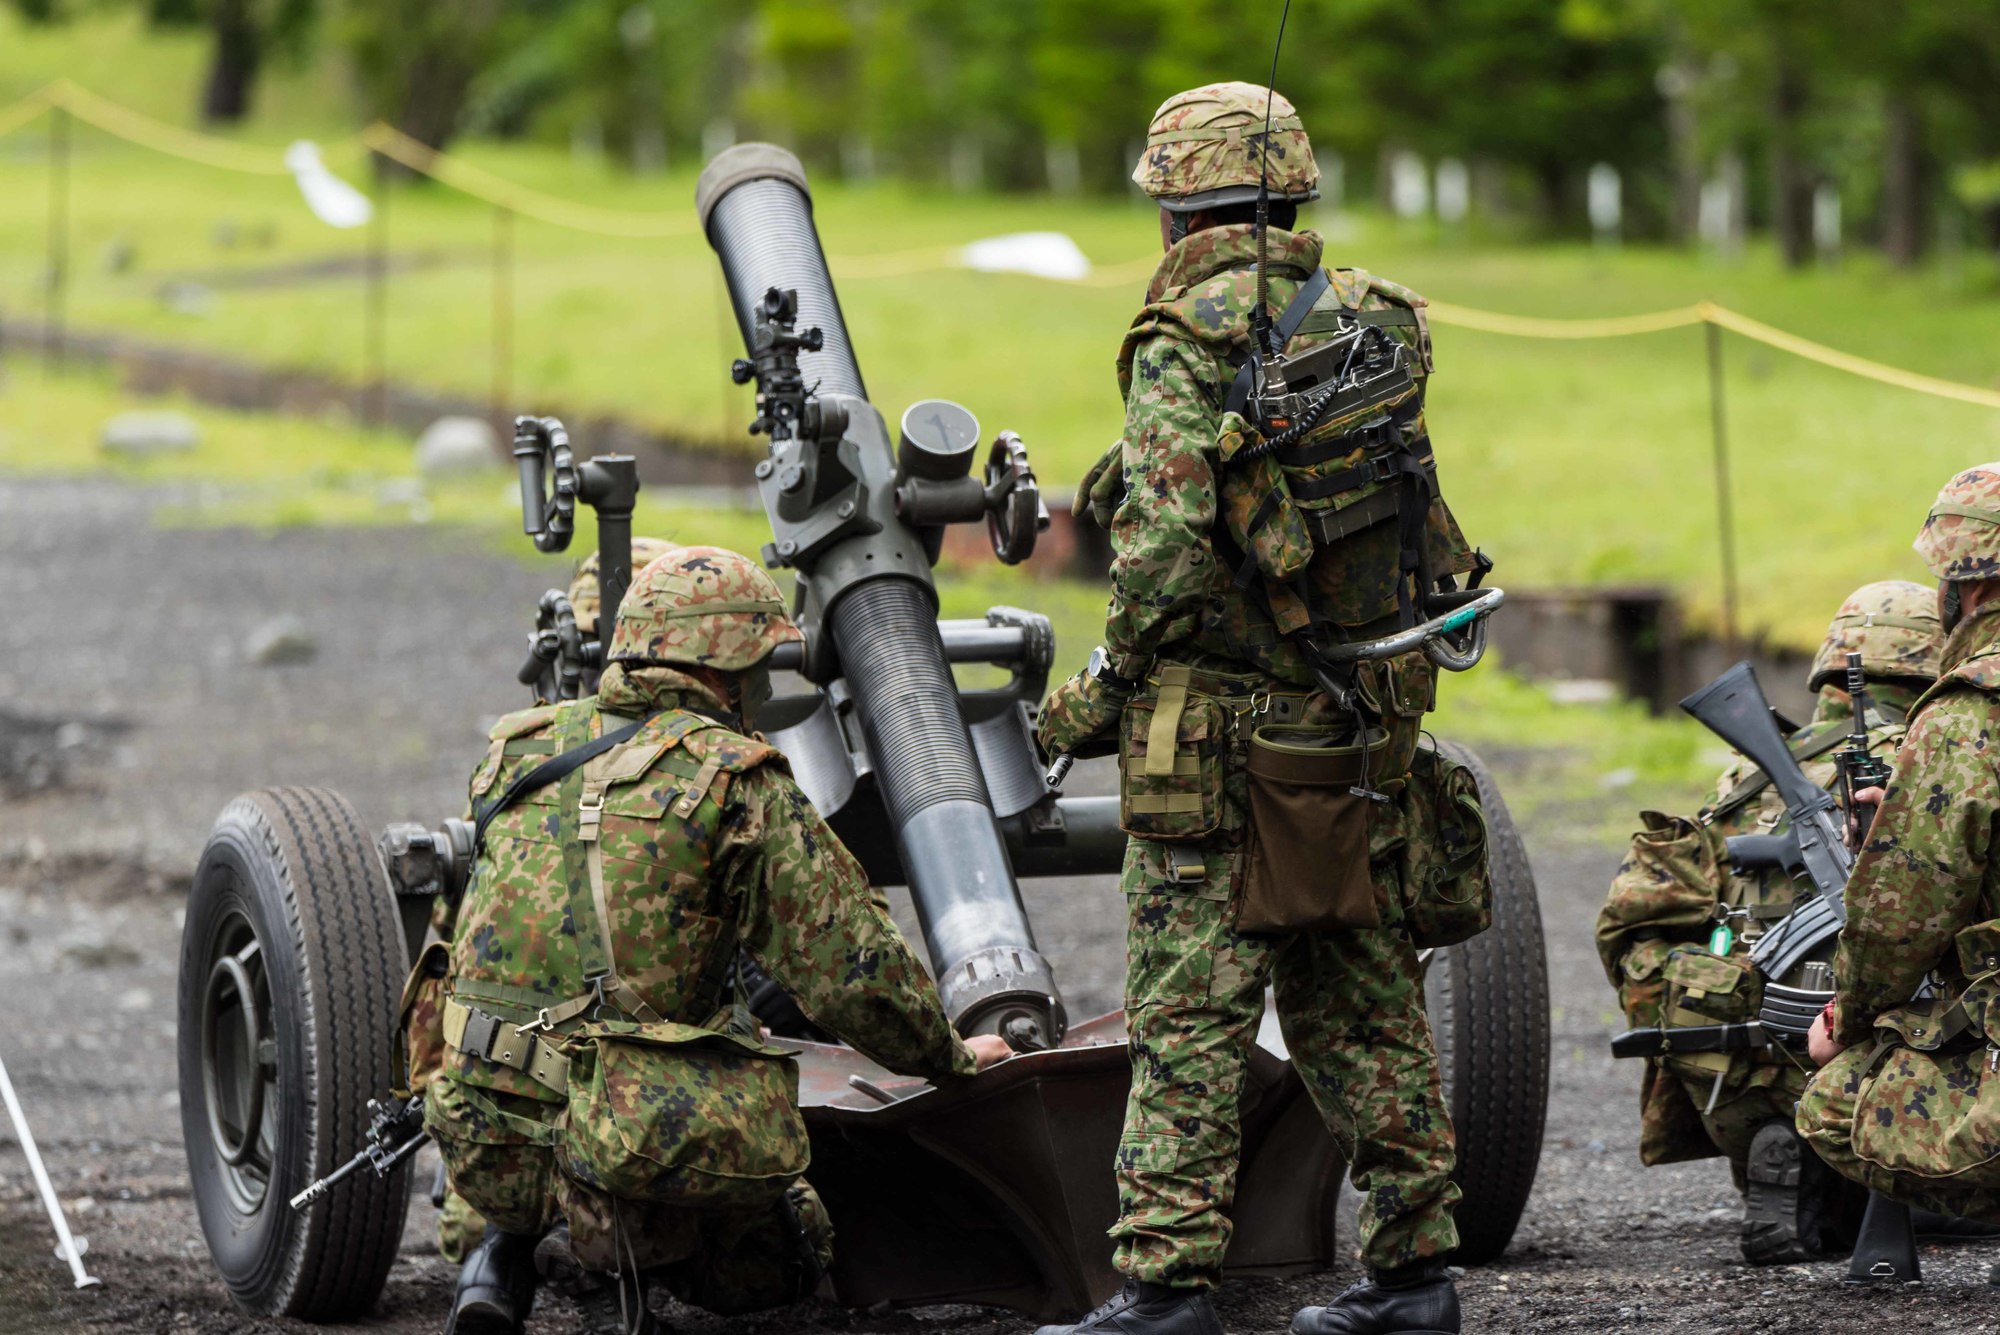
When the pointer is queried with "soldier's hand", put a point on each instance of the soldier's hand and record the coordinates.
(988, 1050)
(1820, 1044)
(1078, 713)
(1867, 801)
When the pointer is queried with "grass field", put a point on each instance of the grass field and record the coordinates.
(1572, 463)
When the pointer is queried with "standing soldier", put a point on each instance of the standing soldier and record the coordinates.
(1908, 1097)
(1203, 660)
(602, 1102)
(1677, 912)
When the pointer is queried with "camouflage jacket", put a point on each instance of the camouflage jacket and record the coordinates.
(1928, 869)
(707, 845)
(1170, 595)
(1669, 885)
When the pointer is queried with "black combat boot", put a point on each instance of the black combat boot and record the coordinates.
(1416, 1299)
(611, 1304)
(1147, 1309)
(1930, 1226)
(496, 1286)
(1783, 1199)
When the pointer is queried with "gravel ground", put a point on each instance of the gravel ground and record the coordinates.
(136, 637)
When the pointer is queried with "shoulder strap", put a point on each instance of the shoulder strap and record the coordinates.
(1294, 315)
(548, 772)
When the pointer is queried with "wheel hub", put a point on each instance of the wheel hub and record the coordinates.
(239, 1062)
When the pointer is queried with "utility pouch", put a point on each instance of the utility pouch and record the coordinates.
(1306, 867)
(421, 1024)
(1446, 886)
(681, 1115)
(498, 1159)
(1703, 988)
(1257, 506)
(1172, 761)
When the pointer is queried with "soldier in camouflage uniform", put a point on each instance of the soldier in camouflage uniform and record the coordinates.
(1183, 639)
(588, 989)
(1907, 1097)
(1678, 913)
(460, 1227)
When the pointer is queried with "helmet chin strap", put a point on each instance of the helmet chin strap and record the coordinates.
(1177, 226)
(1951, 608)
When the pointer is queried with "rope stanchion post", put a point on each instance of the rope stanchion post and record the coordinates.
(503, 312)
(55, 295)
(1725, 510)
(375, 301)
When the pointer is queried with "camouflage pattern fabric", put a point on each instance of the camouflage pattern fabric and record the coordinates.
(708, 844)
(1351, 1008)
(702, 607)
(1212, 137)
(1908, 1109)
(1351, 1002)
(460, 1227)
(1960, 538)
(586, 595)
(1893, 625)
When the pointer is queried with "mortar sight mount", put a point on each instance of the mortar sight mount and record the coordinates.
(823, 498)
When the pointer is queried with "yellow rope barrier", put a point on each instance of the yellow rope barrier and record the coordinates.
(211, 151)
(143, 130)
(1525, 326)
(468, 179)
(14, 117)
(1847, 361)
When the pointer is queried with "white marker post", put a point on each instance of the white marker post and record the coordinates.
(69, 1249)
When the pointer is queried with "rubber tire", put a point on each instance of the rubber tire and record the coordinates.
(1489, 1005)
(299, 867)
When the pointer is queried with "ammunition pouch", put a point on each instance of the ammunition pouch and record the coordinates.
(1172, 761)
(681, 1115)
(1306, 863)
(1447, 888)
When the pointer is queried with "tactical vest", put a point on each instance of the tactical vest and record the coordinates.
(594, 896)
(1339, 527)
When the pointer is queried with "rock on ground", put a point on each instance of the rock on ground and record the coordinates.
(140, 435)
(458, 445)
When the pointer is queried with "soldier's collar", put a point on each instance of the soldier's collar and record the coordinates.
(1974, 637)
(639, 691)
(1200, 256)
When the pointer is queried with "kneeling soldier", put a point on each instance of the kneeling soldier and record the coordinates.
(1679, 920)
(1907, 1098)
(605, 1102)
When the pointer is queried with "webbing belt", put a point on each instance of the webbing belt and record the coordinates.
(490, 1038)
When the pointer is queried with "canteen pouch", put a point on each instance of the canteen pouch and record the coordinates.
(1446, 886)
(1306, 865)
(1257, 507)
(681, 1115)
(1171, 763)
(421, 1022)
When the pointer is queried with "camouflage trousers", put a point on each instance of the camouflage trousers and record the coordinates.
(1919, 1127)
(1351, 1008)
(459, 1227)
(499, 1151)
(1757, 1087)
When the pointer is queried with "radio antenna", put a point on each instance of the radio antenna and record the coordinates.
(1260, 318)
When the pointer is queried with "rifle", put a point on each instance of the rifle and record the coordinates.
(393, 1136)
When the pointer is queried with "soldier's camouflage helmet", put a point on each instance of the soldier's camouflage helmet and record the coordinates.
(702, 607)
(1893, 625)
(1205, 147)
(1960, 538)
(585, 597)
